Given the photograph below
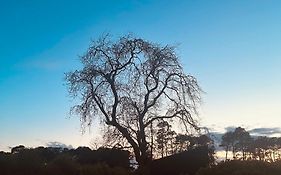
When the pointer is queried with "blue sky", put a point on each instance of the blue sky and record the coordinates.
(232, 47)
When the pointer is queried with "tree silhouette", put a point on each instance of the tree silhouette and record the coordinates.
(17, 149)
(182, 142)
(243, 139)
(130, 84)
(246, 147)
(227, 140)
(163, 136)
(238, 140)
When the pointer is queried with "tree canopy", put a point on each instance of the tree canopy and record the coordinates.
(131, 84)
(247, 147)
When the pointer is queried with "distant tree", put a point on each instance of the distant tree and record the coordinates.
(204, 140)
(130, 84)
(227, 140)
(238, 140)
(163, 136)
(246, 147)
(182, 142)
(17, 149)
(242, 138)
(261, 147)
(267, 148)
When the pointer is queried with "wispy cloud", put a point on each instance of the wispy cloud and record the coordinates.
(58, 145)
(265, 131)
(230, 128)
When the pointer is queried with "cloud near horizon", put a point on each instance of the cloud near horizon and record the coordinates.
(58, 145)
(262, 131)
(265, 131)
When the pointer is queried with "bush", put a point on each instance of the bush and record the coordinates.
(102, 169)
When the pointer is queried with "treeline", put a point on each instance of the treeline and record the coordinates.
(168, 142)
(250, 155)
(173, 153)
(103, 161)
(243, 146)
(62, 161)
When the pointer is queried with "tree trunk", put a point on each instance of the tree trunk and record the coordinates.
(226, 151)
(233, 152)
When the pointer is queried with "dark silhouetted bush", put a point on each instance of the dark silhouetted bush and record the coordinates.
(187, 162)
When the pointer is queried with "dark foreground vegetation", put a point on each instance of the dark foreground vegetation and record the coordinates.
(104, 161)
(246, 167)
(59, 161)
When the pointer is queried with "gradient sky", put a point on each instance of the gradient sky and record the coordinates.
(232, 47)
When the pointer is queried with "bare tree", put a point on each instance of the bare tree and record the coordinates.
(227, 140)
(130, 84)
